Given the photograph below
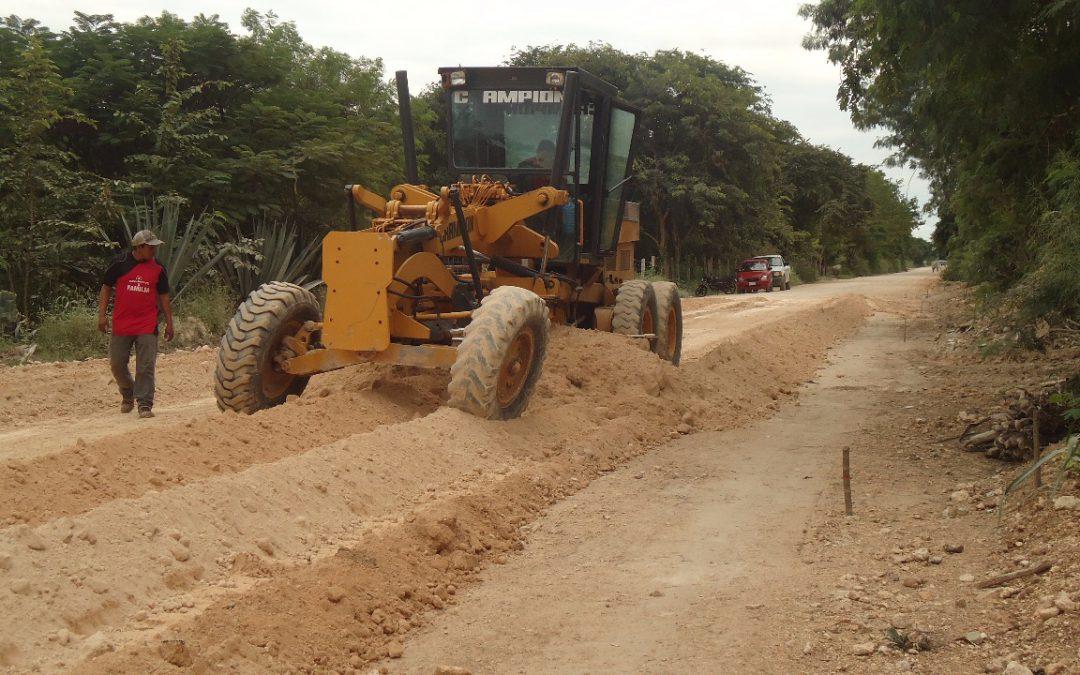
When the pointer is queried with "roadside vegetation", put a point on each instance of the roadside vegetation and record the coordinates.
(985, 104)
(234, 148)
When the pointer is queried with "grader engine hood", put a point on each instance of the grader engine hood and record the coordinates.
(368, 274)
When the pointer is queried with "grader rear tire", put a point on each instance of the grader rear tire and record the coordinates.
(669, 323)
(635, 310)
(246, 378)
(500, 359)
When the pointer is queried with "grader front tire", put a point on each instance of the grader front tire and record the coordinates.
(669, 323)
(500, 358)
(635, 311)
(246, 377)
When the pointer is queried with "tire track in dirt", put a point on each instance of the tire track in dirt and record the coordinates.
(72, 390)
(29, 442)
(278, 565)
(159, 458)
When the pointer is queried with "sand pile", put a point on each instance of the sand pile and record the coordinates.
(94, 472)
(293, 555)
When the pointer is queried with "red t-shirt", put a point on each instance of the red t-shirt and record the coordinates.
(137, 286)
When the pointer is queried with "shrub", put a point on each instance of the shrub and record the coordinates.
(1053, 286)
(70, 333)
(275, 254)
(806, 273)
(212, 304)
(859, 267)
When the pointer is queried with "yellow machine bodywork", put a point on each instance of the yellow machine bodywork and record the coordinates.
(357, 268)
(471, 276)
(373, 277)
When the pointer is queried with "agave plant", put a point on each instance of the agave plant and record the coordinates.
(1071, 453)
(274, 256)
(180, 252)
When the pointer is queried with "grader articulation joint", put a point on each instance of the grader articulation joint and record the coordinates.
(469, 277)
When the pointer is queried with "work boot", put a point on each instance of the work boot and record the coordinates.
(145, 413)
(127, 406)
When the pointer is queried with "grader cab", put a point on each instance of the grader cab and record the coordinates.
(470, 276)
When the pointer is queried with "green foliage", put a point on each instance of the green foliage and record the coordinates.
(1052, 285)
(70, 333)
(805, 273)
(212, 303)
(241, 129)
(47, 224)
(920, 252)
(984, 103)
(183, 132)
(244, 126)
(1069, 456)
(1069, 401)
(9, 312)
(274, 255)
(652, 275)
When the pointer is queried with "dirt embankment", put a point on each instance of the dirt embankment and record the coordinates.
(323, 537)
(142, 460)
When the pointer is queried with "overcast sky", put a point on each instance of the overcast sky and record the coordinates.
(763, 37)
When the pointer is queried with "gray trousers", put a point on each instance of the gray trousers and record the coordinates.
(142, 387)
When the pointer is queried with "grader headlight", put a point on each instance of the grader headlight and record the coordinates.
(555, 78)
(457, 78)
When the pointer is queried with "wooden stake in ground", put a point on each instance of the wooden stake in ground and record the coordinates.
(847, 481)
(1036, 447)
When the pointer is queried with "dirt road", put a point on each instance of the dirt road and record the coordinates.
(683, 560)
(322, 533)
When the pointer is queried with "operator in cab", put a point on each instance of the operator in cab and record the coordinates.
(543, 159)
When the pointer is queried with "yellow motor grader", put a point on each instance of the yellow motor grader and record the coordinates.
(469, 276)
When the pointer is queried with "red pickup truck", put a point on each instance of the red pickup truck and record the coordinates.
(754, 275)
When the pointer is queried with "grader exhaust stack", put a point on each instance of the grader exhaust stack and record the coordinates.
(470, 276)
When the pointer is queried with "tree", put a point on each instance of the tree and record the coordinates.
(42, 232)
(983, 100)
(183, 135)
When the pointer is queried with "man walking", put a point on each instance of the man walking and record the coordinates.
(140, 283)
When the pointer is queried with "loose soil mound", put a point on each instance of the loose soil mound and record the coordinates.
(272, 554)
(88, 474)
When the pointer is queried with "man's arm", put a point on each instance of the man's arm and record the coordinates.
(103, 307)
(166, 307)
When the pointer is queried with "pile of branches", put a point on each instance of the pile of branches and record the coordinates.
(1008, 433)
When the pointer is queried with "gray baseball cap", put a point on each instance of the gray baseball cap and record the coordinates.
(145, 237)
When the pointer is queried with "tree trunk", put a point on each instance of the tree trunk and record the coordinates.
(665, 243)
(28, 251)
(676, 254)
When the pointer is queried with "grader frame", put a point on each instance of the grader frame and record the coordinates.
(468, 276)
